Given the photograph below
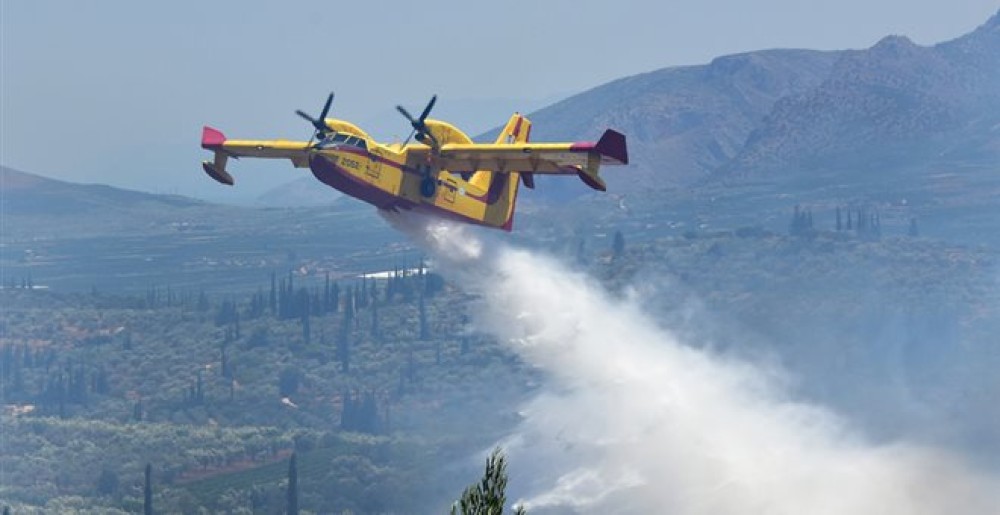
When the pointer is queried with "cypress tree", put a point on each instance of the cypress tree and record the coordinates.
(343, 353)
(147, 492)
(326, 294)
(369, 414)
(273, 298)
(203, 304)
(199, 391)
(304, 311)
(618, 245)
(293, 487)
(349, 305)
(425, 332)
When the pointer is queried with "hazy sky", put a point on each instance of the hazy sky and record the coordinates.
(117, 91)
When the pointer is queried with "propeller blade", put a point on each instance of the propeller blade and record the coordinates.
(427, 110)
(406, 113)
(318, 123)
(419, 127)
(407, 140)
(306, 116)
(326, 107)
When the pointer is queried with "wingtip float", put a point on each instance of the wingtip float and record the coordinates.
(443, 172)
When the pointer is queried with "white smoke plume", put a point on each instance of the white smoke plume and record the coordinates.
(635, 421)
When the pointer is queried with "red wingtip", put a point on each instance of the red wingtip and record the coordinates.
(211, 138)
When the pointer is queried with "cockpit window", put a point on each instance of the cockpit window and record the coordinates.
(345, 139)
(333, 139)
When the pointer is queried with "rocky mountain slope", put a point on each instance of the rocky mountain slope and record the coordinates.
(684, 122)
(894, 105)
(775, 113)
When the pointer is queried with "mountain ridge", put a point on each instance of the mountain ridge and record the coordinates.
(27, 193)
(864, 121)
(691, 117)
(895, 104)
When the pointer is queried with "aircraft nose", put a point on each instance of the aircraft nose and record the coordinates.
(319, 163)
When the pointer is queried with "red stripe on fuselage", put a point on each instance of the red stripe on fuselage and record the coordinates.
(370, 155)
(485, 197)
(344, 181)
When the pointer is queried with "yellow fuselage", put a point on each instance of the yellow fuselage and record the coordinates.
(391, 178)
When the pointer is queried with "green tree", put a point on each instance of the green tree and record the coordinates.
(107, 482)
(288, 381)
(147, 491)
(343, 352)
(293, 487)
(488, 496)
(425, 332)
(618, 245)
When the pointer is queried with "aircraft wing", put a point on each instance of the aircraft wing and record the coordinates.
(581, 158)
(214, 140)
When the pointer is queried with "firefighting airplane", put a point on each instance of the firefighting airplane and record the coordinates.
(445, 174)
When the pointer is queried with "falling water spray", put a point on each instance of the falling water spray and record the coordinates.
(633, 420)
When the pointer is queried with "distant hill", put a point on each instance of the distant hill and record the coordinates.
(304, 191)
(775, 114)
(684, 122)
(895, 105)
(29, 194)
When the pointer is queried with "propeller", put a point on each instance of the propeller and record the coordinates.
(320, 122)
(419, 127)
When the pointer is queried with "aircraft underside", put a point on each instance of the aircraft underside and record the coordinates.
(344, 181)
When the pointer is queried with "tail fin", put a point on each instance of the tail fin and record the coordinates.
(517, 130)
(502, 187)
